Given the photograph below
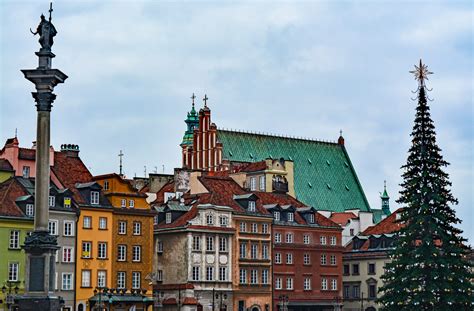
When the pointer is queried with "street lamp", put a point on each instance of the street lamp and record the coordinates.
(10, 298)
(102, 291)
(283, 302)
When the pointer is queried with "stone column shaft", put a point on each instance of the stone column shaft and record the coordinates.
(42, 171)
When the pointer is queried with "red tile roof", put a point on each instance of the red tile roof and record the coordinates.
(388, 225)
(27, 154)
(252, 167)
(10, 190)
(342, 218)
(5, 165)
(190, 301)
(160, 195)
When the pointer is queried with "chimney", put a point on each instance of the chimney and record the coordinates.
(70, 150)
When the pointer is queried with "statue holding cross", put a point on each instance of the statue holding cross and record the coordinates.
(46, 31)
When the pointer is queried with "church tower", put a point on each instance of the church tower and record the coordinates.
(192, 122)
(385, 200)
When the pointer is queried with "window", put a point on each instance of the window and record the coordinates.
(87, 222)
(346, 292)
(253, 183)
(355, 269)
(121, 277)
(160, 247)
(137, 228)
(102, 223)
(346, 270)
(306, 259)
(168, 218)
(136, 276)
(222, 244)
(291, 217)
(101, 278)
(210, 219)
(251, 206)
(289, 283)
(323, 259)
(289, 238)
(67, 202)
(53, 227)
(276, 216)
(277, 258)
(289, 258)
(136, 253)
(243, 250)
(261, 181)
(306, 239)
(311, 218)
(356, 291)
(196, 243)
(86, 278)
(264, 228)
(265, 251)
(13, 271)
(372, 291)
(371, 268)
(86, 249)
(322, 240)
(254, 228)
(68, 254)
(122, 253)
(123, 203)
(68, 228)
(265, 276)
(14, 239)
(243, 276)
(324, 284)
(102, 250)
(254, 251)
(196, 273)
(278, 283)
(243, 227)
(30, 210)
(332, 260)
(209, 273)
(155, 219)
(51, 201)
(122, 227)
(26, 172)
(131, 204)
(95, 197)
(222, 273)
(351, 232)
(307, 284)
(210, 244)
(333, 284)
(223, 221)
(333, 240)
(253, 276)
(277, 237)
(66, 281)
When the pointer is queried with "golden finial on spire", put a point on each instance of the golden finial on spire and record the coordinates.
(421, 73)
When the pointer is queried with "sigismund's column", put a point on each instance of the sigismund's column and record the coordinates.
(40, 247)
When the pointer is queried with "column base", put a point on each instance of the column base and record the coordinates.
(28, 303)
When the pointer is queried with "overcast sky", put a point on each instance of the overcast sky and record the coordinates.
(305, 69)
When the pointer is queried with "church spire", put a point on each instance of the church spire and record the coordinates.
(385, 199)
(192, 122)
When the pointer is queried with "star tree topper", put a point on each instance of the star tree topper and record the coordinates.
(421, 73)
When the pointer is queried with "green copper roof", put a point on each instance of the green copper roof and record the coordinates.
(324, 176)
(192, 121)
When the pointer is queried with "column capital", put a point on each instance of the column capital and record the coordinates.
(44, 100)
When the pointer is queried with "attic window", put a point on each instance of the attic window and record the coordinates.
(168, 218)
(346, 164)
(328, 163)
(309, 161)
(310, 185)
(347, 188)
(251, 206)
(329, 186)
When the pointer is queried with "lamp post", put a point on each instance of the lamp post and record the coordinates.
(9, 299)
(283, 302)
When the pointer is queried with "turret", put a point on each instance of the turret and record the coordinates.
(385, 200)
(192, 122)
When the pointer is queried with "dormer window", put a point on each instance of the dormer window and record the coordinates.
(106, 185)
(291, 217)
(253, 183)
(311, 218)
(52, 201)
(276, 216)
(251, 206)
(168, 218)
(30, 210)
(67, 202)
(95, 197)
(210, 219)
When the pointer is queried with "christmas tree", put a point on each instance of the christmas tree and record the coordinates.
(429, 269)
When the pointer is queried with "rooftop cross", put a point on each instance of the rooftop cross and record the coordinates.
(205, 100)
(421, 73)
(193, 97)
(50, 10)
(120, 156)
(340, 132)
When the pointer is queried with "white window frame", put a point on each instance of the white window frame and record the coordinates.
(243, 276)
(289, 283)
(306, 239)
(311, 218)
(209, 273)
(276, 215)
(306, 259)
(71, 281)
(51, 201)
(102, 223)
(25, 172)
(123, 203)
(196, 273)
(131, 203)
(210, 247)
(278, 283)
(30, 210)
(253, 276)
(264, 228)
(94, 197)
(253, 183)
(243, 226)
(136, 253)
(333, 260)
(196, 243)
(210, 219)
(243, 250)
(265, 252)
(136, 279)
(168, 217)
(89, 243)
(223, 273)
(333, 240)
(86, 278)
(224, 221)
(67, 249)
(254, 251)
(307, 284)
(106, 185)
(13, 271)
(290, 217)
(223, 244)
(68, 228)
(87, 224)
(265, 275)
(289, 238)
(121, 279)
(323, 260)
(323, 240)
(261, 181)
(14, 242)
(53, 226)
(277, 237)
(277, 258)
(102, 278)
(137, 228)
(101, 250)
(252, 206)
(159, 246)
(122, 227)
(289, 258)
(254, 227)
(333, 284)
(122, 252)
(324, 284)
